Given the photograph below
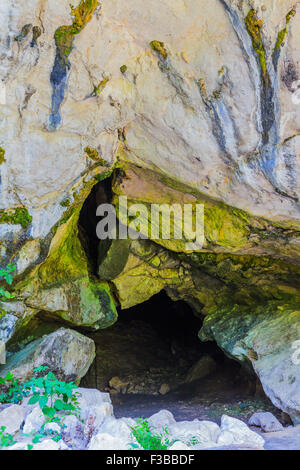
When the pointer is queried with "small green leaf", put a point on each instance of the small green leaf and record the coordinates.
(33, 400)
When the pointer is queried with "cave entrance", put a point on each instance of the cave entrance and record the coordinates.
(152, 359)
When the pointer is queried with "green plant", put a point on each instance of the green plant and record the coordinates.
(193, 441)
(148, 438)
(52, 394)
(14, 391)
(6, 440)
(5, 274)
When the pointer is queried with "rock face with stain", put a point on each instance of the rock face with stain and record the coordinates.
(182, 102)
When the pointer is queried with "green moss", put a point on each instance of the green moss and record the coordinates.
(92, 153)
(64, 35)
(159, 47)
(19, 215)
(284, 32)
(2, 155)
(225, 226)
(104, 176)
(123, 68)
(66, 260)
(98, 306)
(65, 203)
(100, 87)
(253, 26)
(249, 279)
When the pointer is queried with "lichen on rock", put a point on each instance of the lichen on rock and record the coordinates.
(254, 25)
(16, 216)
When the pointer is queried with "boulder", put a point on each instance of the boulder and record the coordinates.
(34, 420)
(164, 389)
(73, 433)
(12, 418)
(67, 353)
(121, 429)
(104, 441)
(266, 421)
(204, 367)
(52, 428)
(119, 385)
(89, 398)
(234, 431)
(194, 432)
(95, 418)
(162, 419)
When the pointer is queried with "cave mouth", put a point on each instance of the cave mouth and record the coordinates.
(152, 359)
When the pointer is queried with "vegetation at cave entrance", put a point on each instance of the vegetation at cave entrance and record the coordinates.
(148, 438)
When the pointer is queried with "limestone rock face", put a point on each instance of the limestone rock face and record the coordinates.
(181, 102)
(267, 340)
(66, 352)
(195, 111)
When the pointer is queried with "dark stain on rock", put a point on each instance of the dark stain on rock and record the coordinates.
(289, 75)
(24, 32)
(36, 33)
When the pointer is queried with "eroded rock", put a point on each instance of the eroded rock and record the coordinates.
(67, 353)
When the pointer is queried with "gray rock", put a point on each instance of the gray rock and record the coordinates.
(120, 428)
(164, 389)
(2, 352)
(73, 433)
(194, 432)
(66, 352)
(266, 339)
(162, 419)
(236, 432)
(266, 421)
(104, 441)
(34, 420)
(52, 427)
(12, 418)
(89, 398)
(7, 326)
(95, 418)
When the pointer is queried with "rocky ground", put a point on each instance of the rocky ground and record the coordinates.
(98, 428)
